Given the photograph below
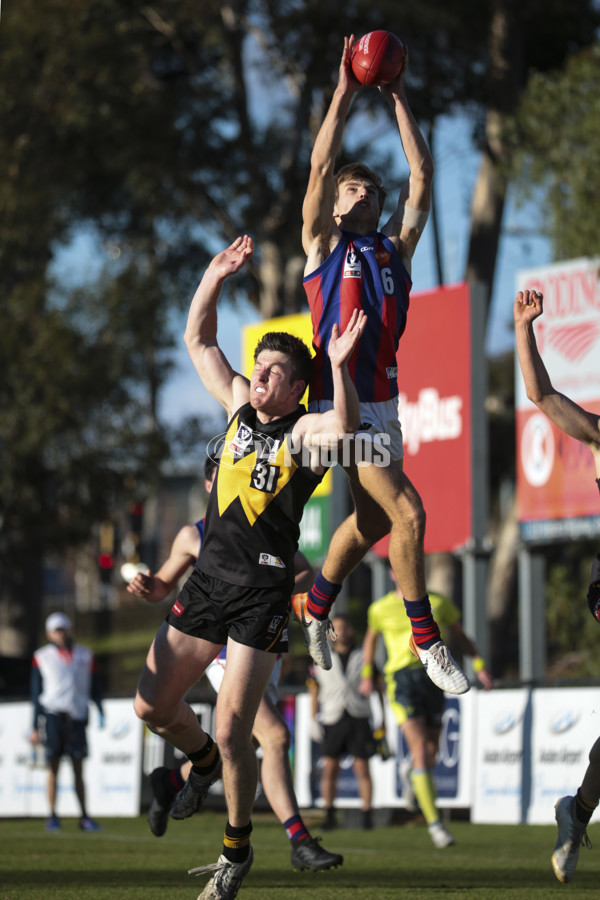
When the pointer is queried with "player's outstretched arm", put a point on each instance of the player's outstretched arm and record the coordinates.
(317, 209)
(201, 330)
(406, 225)
(183, 555)
(329, 428)
(575, 421)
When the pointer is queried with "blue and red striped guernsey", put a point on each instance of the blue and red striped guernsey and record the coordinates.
(362, 272)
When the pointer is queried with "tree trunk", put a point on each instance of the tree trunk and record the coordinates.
(504, 81)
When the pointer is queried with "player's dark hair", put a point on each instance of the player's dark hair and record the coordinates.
(295, 349)
(363, 173)
(210, 465)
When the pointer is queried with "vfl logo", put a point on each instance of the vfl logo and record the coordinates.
(265, 559)
(273, 627)
(245, 443)
(574, 341)
(241, 440)
(352, 264)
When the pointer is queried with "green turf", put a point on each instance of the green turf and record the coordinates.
(125, 862)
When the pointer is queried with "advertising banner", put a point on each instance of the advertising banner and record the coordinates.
(434, 378)
(112, 771)
(502, 756)
(453, 772)
(565, 724)
(556, 495)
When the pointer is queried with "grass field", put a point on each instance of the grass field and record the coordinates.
(125, 862)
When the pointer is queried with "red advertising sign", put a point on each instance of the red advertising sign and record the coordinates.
(434, 375)
(556, 495)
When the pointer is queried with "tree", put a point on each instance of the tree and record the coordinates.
(556, 140)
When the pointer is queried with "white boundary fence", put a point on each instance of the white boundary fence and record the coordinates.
(506, 755)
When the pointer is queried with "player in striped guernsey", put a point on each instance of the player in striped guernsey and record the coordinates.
(352, 265)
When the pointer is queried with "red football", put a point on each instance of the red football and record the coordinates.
(377, 57)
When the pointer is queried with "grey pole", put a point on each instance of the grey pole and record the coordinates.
(475, 556)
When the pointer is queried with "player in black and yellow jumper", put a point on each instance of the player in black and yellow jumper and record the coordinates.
(239, 593)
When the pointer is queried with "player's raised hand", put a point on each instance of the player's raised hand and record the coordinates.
(342, 345)
(234, 257)
(528, 306)
(396, 87)
(347, 80)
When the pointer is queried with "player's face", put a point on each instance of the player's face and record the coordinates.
(271, 388)
(357, 201)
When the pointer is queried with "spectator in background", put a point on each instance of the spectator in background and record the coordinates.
(342, 720)
(415, 700)
(63, 682)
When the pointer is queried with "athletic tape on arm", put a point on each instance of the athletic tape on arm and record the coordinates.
(415, 219)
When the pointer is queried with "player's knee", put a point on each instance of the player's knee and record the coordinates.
(232, 736)
(148, 713)
(410, 519)
(277, 739)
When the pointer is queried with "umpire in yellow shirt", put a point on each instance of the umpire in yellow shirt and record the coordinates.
(417, 702)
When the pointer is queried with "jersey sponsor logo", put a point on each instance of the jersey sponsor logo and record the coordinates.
(177, 609)
(274, 625)
(391, 371)
(265, 559)
(352, 264)
(364, 426)
(241, 440)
